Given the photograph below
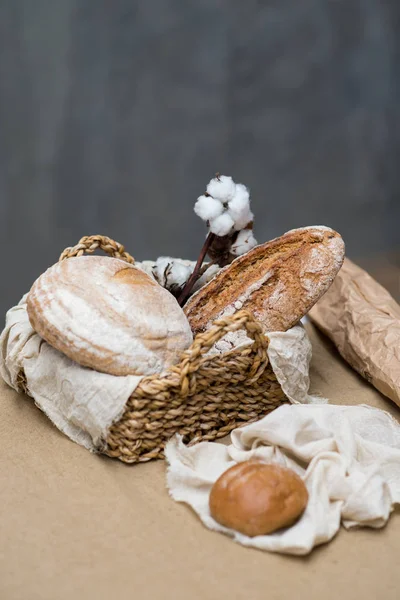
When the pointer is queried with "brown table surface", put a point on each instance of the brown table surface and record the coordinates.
(77, 525)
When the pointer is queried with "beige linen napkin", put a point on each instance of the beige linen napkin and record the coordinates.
(84, 403)
(81, 402)
(348, 457)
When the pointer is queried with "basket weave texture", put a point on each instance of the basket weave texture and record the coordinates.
(204, 397)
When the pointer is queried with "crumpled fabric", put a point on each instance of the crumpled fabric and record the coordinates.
(81, 402)
(84, 403)
(347, 456)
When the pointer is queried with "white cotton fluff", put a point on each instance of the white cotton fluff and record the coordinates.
(177, 274)
(225, 207)
(245, 241)
(208, 208)
(222, 225)
(243, 219)
(171, 272)
(239, 207)
(222, 188)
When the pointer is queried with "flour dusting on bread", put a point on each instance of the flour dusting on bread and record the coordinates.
(108, 315)
(238, 304)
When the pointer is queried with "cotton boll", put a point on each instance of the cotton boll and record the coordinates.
(171, 273)
(239, 207)
(178, 275)
(208, 208)
(222, 188)
(242, 194)
(160, 267)
(244, 219)
(245, 241)
(240, 213)
(222, 225)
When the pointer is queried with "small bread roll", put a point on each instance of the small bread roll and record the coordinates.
(108, 315)
(255, 498)
(278, 281)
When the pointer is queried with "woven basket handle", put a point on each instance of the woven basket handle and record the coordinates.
(195, 355)
(90, 243)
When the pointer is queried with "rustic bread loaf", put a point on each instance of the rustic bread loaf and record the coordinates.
(278, 281)
(256, 498)
(106, 314)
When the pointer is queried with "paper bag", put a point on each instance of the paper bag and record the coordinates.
(363, 321)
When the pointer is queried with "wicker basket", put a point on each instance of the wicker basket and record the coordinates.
(204, 397)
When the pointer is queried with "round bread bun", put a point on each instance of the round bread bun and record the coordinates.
(255, 498)
(108, 315)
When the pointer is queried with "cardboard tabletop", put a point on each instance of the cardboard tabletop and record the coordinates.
(78, 525)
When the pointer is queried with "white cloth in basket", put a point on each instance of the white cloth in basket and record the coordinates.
(84, 403)
(81, 402)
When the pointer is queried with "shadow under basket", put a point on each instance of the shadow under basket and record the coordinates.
(204, 397)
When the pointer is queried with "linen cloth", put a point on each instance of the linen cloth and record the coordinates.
(348, 457)
(84, 403)
(81, 402)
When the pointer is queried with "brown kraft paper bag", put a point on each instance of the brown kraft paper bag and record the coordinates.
(363, 321)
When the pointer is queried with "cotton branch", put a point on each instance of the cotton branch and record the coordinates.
(225, 207)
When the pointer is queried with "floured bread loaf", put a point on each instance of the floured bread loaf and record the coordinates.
(278, 281)
(106, 314)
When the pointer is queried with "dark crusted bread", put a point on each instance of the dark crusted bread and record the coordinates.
(278, 281)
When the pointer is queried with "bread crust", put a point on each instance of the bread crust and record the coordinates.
(256, 498)
(108, 315)
(278, 281)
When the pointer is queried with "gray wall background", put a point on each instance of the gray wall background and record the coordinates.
(114, 114)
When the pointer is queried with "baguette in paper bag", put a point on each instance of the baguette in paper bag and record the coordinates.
(363, 321)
